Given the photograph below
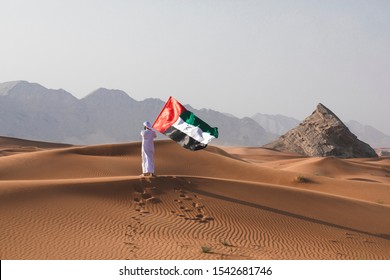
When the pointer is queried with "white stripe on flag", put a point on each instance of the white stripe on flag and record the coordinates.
(193, 131)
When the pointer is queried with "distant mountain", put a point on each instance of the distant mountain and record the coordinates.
(322, 134)
(31, 111)
(369, 134)
(276, 124)
(383, 152)
(28, 110)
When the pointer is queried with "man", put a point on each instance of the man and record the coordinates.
(148, 135)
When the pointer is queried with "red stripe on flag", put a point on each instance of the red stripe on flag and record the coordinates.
(168, 115)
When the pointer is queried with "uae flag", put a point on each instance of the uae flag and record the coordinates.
(183, 126)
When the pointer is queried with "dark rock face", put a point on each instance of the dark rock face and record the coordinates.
(322, 134)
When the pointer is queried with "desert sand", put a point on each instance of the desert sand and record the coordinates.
(90, 202)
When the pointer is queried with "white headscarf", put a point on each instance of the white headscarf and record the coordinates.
(148, 124)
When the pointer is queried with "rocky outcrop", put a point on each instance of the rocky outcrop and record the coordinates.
(322, 134)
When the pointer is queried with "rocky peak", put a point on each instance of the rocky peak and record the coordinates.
(6, 87)
(104, 93)
(322, 134)
(327, 113)
(108, 97)
(35, 94)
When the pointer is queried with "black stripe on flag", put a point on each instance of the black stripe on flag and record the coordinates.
(184, 140)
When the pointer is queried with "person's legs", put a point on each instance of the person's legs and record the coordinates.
(149, 162)
(144, 163)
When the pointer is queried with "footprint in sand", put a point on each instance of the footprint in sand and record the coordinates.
(154, 200)
(190, 208)
(142, 197)
(146, 195)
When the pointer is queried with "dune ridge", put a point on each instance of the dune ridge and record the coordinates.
(89, 202)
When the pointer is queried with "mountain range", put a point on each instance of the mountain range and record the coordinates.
(32, 111)
(29, 110)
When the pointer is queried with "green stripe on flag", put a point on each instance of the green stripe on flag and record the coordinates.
(190, 118)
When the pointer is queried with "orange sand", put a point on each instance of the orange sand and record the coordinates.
(60, 202)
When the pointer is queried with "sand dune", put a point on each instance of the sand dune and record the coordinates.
(64, 202)
(10, 146)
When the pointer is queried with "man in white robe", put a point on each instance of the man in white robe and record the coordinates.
(148, 135)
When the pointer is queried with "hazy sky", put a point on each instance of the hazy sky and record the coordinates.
(241, 57)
